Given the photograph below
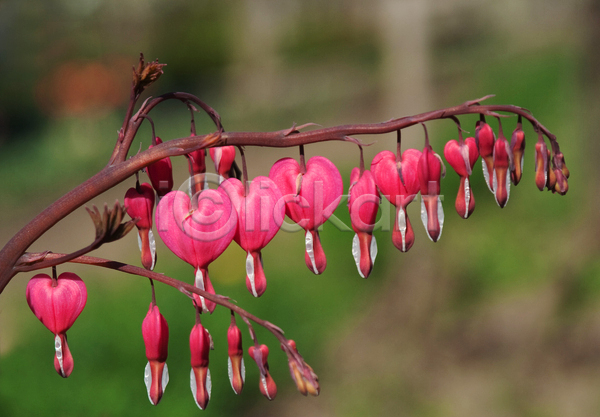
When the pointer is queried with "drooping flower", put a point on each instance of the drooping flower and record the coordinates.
(430, 175)
(302, 374)
(485, 139)
(399, 191)
(517, 147)
(363, 204)
(197, 168)
(310, 197)
(139, 202)
(462, 157)
(57, 303)
(161, 174)
(223, 157)
(260, 214)
(541, 163)
(200, 381)
(197, 231)
(267, 385)
(502, 163)
(156, 339)
(235, 362)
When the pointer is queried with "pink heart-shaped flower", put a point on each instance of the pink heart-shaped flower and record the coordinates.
(57, 304)
(139, 203)
(197, 233)
(363, 204)
(462, 158)
(399, 191)
(310, 199)
(260, 215)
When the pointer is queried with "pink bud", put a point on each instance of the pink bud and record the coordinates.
(237, 370)
(57, 304)
(200, 381)
(267, 385)
(156, 339)
(260, 215)
(430, 175)
(223, 157)
(363, 204)
(541, 164)
(501, 179)
(197, 233)
(310, 198)
(462, 158)
(197, 168)
(161, 174)
(399, 192)
(139, 203)
(484, 136)
(517, 147)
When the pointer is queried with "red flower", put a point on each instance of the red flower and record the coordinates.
(161, 174)
(139, 203)
(200, 381)
(156, 339)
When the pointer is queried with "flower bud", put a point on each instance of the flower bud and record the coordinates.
(462, 157)
(161, 174)
(57, 303)
(484, 137)
(306, 380)
(139, 203)
(267, 385)
(501, 179)
(156, 339)
(223, 157)
(430, 174)
(236, 368)
(200, 381)
(541, 164)
(517, 147)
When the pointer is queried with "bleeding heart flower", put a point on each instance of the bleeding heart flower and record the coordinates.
(156, 339)
(235, 363)
(541, 163)
(267, 384)
(399, 191)
(139, 202)
(363, 204)
(197, 233)
(462, 157)
(223, 157)
(260, 215)
(430, 175)
(485, 138)
(502, 163)
(197, 168)
(200, 381)
(161, 174)
(57, 303)
(310, 198)
(517, 147)
(306, 381)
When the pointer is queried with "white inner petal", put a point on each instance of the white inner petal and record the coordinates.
(139, 242)
(263, 381)
(194, 387)
(495, 187)
(152, 247)
(507, 188)
(310, 251)
(440, 212)
(59, 353)
(250, 273)
(425, 217)
(199, 283)
(148, 380)
(402, 227)
(208, 383)
(165, 377)
(356, 254)
(230, 371)
(467, 197)
(373, 249)
(486, 174)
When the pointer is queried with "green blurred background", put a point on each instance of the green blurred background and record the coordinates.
(501, 317)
